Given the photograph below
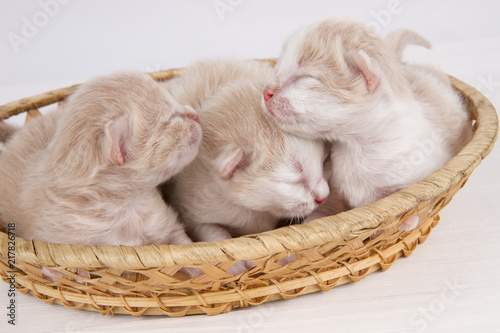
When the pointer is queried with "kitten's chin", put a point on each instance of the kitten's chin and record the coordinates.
(299, 211)
(179, 161)
(185, 158)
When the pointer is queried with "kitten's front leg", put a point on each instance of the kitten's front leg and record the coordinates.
(164, 227)
(180, 238)
(211, 232)
(410, 223)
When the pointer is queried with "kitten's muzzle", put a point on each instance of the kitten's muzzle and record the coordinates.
(320, 200)
(190, 113)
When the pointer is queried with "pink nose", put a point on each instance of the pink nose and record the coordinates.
(193, 116)
(188, 112)
(319, 201)
(268, 94)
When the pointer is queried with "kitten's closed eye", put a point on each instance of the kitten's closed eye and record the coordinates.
(308, 76)
(299, 167)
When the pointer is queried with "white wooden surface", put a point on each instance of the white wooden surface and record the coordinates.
(449, 284)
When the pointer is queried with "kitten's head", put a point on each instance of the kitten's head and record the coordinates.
(133, 125)
(329, 75)
(258, 166)
(288, 183)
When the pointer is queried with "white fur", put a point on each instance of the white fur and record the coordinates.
(204, 198)
(388, 129)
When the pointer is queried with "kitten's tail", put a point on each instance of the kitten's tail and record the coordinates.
(6, 131)
(399, 39)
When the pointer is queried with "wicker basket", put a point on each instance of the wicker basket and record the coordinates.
(334, 250)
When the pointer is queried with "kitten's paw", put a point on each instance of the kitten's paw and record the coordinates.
(410, 223)
(376, 234)
(53, 275)
(192, 272)
(240, 267)
(81, 273)
(285, 261)
(50, 274)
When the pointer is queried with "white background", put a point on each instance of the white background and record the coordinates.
(74, 41)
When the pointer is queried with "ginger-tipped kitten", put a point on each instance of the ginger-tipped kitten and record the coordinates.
(87, 173)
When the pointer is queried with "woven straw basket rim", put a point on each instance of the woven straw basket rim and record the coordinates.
(291, 238)
(333, 250)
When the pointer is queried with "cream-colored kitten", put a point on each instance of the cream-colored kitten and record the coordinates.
(248, 174)
(391, 123)
(87, 173)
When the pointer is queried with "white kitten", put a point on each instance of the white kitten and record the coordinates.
(87, 173)
(391, 124)
(248, 174)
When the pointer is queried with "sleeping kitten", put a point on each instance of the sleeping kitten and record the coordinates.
(87, 173)
(248, 174)
(391, 123)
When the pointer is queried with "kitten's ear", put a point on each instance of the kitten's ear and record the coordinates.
(231, 159)
(119, 134)
(365, 66)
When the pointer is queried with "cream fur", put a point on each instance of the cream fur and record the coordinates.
(87, 173)
(248, 173)
(391, 123)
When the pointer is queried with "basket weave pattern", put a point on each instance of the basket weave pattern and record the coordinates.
(331, 251)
